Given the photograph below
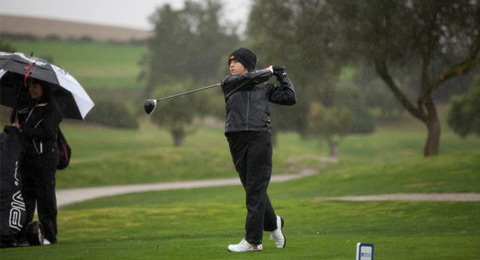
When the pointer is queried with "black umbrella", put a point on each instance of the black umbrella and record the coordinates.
(73, 100)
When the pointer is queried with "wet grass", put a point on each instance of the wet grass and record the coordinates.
(200, 223)
(113, 157)
(103, 156)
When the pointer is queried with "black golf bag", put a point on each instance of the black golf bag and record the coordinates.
(12, 206)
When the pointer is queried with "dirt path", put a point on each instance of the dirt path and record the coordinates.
(412, 197)
(70, 196)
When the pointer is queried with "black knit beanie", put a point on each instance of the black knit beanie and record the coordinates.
(244, 56)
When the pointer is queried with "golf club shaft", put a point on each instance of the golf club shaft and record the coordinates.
(189, 92)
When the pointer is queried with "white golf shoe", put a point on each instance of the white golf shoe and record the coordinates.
(244, 246)
(277, 234)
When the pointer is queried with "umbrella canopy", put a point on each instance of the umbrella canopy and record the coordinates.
(73, 100)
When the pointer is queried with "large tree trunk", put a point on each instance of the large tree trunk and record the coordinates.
(178, 135)
(425, 111)
(433, 128)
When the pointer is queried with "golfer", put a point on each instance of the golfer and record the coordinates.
(248, 132)
(38, 118)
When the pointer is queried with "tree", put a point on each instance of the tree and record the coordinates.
(187, 50)
(464, 114)
(441, 36)
(438, 38)
(177, 116)
(332, 123)
(301, 35)
(187, 43)
(287, 32)
(354, 98)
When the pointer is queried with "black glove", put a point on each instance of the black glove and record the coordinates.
(279, 71)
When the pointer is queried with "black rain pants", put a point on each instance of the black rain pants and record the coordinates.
(252, 156)
(37, 173)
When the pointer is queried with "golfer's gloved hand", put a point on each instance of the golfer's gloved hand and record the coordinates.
(279, 72)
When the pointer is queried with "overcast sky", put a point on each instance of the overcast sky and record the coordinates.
(125, 13)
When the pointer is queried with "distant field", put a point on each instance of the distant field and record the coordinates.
(41, 27)
(95, 65)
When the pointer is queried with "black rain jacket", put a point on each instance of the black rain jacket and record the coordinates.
(247, 97)
(39, 121)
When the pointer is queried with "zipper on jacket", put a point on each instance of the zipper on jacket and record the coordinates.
(36, 125)
(30, 113)
(33, 108)
(33, 140)
(35, 146)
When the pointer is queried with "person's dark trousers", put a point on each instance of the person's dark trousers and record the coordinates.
(38, 187)
(252, 157)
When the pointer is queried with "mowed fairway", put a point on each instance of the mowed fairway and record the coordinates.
(200, 223)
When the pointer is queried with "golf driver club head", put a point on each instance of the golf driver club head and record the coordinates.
(149, 105)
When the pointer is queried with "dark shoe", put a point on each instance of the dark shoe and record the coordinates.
(35, 233)
(7, 243)
(22, 242)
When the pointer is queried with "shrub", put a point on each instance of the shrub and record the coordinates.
(112, 114)
(464, 113)
(362, 121)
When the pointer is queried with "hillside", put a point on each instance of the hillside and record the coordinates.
(40, 27)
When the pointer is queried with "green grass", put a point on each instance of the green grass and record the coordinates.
(95, 65)
(112, 157)
(200, 223)
(104, 156)
(443, 174)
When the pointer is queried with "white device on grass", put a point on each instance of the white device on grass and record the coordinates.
(364, 251)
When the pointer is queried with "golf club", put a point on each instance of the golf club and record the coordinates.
(150, 104)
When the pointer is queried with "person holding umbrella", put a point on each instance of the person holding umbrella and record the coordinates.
(54, 94)
(38, 118)
(247, 128)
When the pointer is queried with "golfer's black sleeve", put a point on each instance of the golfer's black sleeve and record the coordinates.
(231, 83)
(283, 94)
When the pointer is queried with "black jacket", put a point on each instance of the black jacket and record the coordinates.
(39, 121)
(247, 97)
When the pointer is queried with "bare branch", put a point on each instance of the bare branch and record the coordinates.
(382, 71)
(457, 69)
(470, 62)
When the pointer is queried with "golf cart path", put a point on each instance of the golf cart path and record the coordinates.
(70, 196)
(411, 197)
